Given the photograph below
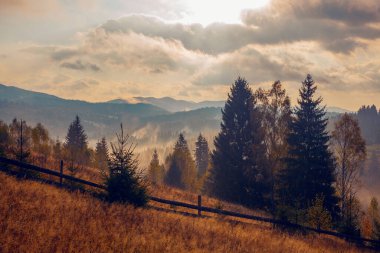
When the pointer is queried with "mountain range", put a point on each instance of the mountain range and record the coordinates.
(140, 119)
(171, 104)
(148, 119)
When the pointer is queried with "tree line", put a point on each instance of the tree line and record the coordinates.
(369, 120)
(267, 155)
(272, 156)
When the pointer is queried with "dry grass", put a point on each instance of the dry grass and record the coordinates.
(42, 218)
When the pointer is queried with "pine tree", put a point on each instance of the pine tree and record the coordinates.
(235, 174)
(156, 171)
(76, 145)
(202, 155)
(124, 182)
(102, 156)
(181, 172)
(310, 163)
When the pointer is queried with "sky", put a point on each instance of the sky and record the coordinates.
(98, 50)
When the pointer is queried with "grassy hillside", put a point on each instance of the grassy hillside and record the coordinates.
(42, 218)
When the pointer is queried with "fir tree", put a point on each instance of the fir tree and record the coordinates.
(181, 172)
(124, 182)
(101, 156)
(310, 164)
(235, 174)
(202, 155)
(156, 171)
(76, 145)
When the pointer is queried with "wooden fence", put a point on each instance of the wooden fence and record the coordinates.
(197, 207)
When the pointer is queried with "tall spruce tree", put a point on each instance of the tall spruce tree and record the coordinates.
(181, 172)
(202, 155)
(76, 145)
(236, 175)
(310, 164)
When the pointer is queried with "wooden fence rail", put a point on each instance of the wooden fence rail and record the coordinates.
(198, 207)
(50, 172)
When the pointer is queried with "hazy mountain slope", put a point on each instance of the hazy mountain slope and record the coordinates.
(56, 113)
(144, 121)
(174, 105)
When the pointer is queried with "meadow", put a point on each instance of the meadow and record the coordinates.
(38, 217)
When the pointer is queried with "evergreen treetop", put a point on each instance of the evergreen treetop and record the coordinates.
(181, 172)
(235, 172)
(76, 137)
(310, 163)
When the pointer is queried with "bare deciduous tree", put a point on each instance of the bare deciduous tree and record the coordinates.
(350, 151)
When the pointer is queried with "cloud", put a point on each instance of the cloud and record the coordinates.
(250, 63)
(145, 55)
(355, 13)
(212, 39)
(283, 22)
(62, 54)
(79, 65)
(335, 24)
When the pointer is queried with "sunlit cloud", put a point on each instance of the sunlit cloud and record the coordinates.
(186, 49)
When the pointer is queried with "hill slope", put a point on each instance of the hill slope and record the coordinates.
(103, 119)
(41, 218)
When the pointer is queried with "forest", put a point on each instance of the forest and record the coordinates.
(268, 155)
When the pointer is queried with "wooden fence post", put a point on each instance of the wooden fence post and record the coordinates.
(199, 205)
(61, 173)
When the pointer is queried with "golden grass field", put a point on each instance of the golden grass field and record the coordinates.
(37, 217)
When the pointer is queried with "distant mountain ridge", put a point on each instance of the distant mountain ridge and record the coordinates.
(171, 104)
(57, 113)
(149, 120)
(141, 120)
(175, 105)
